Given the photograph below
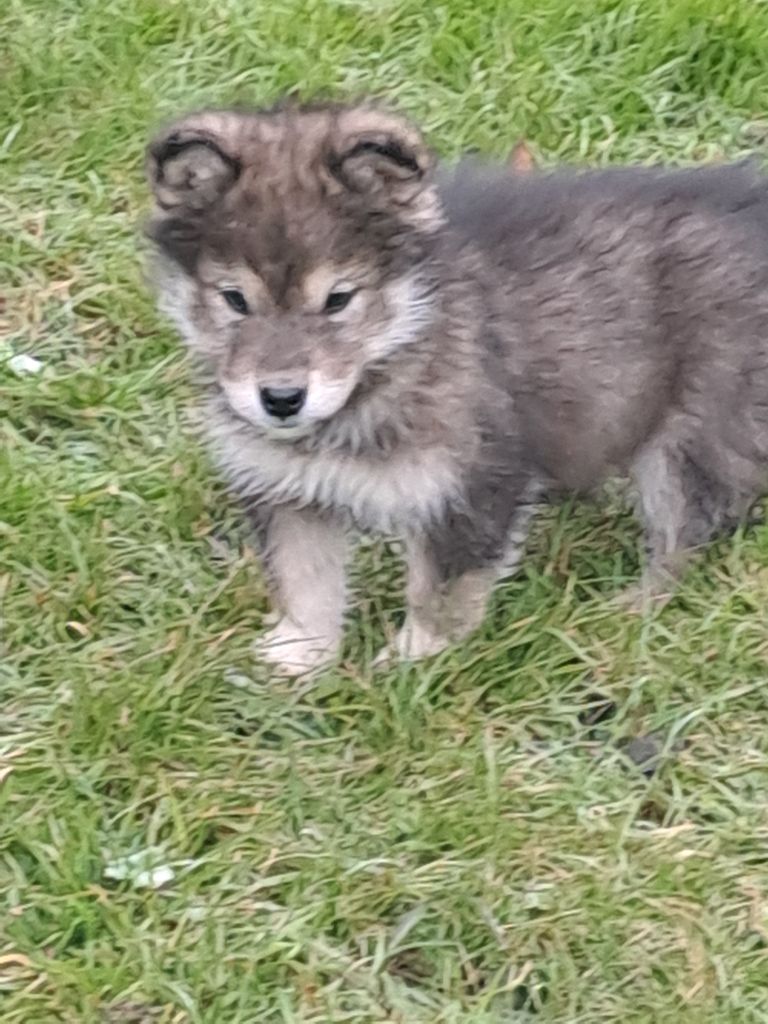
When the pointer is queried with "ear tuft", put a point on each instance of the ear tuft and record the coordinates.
(189, 168)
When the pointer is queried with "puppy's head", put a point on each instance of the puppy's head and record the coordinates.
(292, 248)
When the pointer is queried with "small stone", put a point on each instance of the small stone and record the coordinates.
(23, 364)
(648, 752)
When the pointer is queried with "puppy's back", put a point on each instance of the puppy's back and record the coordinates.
(621, 298)
(504, 212)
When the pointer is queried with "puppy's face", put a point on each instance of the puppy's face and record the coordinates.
(292, 250)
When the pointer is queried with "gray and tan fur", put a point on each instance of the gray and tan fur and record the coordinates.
(391, 349)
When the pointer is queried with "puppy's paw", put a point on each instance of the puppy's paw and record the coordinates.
(411, 643)
(292, 652)
(643, 599)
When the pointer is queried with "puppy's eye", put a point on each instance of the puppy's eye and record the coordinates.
(235, 299)
(337, 301)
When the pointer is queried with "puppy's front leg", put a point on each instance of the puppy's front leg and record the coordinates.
(452, 569)
(440, 610)
(304, 556)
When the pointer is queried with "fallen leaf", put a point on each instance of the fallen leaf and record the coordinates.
(521, 159)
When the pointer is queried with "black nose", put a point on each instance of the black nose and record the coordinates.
(282, 402)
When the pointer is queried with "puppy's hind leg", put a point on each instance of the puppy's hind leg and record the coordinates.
(682, 507)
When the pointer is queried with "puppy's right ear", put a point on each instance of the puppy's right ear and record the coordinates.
(190, 166)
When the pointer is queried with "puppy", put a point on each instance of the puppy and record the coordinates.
(384, 348)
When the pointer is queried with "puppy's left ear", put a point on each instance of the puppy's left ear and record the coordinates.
(385, 159)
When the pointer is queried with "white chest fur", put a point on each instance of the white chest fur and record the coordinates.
(382, 495)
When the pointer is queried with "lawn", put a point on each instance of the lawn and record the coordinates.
(471, 841)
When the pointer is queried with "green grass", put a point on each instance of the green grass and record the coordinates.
(443, 844)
